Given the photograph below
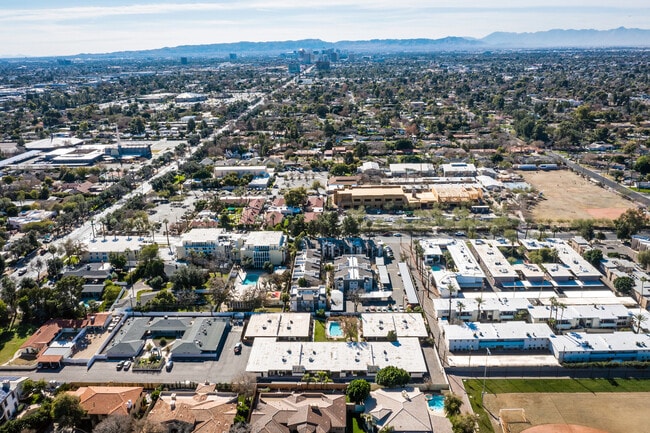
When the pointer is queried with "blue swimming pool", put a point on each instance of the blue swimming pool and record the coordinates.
(251, 279)
(437, 268)
(334, 329)
(436, 402)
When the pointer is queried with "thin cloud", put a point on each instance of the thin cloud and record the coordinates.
(92, 12)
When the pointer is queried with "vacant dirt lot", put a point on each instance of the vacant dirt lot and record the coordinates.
(570, 197)
(611, 412)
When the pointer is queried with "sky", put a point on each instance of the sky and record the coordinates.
(68, 27)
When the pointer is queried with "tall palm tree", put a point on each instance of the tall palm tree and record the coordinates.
(166, 221)
(553, 300)
(460, 307)
(479, 303)
(637, 321)
(452, 290)
(562, 306)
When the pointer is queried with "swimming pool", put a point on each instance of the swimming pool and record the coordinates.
(437, 268)
(251, 279)
(334, 329)
(436, 403)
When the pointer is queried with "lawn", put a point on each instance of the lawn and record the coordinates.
(10, 341)
(474, 387)
(319, 331)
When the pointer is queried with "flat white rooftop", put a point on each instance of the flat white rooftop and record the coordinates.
(495, 262)
(117, 244)
(281, 325)
(202, 235)
(377, 325)
(464, 260)
(610, 342)
(497, 331)
(270, 355)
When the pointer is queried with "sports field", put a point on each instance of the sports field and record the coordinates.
(611, 412)
(570, 197)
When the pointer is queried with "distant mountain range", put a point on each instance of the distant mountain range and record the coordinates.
(616, 38)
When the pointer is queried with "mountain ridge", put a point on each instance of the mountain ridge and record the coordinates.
(556, 38)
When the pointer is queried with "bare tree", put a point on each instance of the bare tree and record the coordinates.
(244, 384)
(220, 291)
(115, 424)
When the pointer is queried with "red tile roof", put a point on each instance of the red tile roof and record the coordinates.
(107, 400)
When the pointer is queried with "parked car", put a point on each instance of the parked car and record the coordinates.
(238, 348)
(119, 365)
(169, 365)
(127, 365)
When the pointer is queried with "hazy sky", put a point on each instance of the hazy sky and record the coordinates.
(66, 27)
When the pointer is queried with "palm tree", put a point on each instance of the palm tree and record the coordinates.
(638, 320)
(562, 306)
(460, 307)
(479, 303)
(553, 300)
(452, 290)
(166, 221)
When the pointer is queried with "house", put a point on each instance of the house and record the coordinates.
(9, 395)
(401, 410)
(299, 412)
(53, 341)
(308, 292)
(201, 411)
(353, 272)
(100, 402)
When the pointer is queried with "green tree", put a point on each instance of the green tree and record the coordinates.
(358, 390)
(642, 164)
(585, 228)
(4, 314)
(453, 404)
(644, 258)
(593, 256)
(295, 197)
(464, 423)
(392, 376)
(117, 260)
(67, 410)
(544, 255)
(66, 295)
(630, 223)
(624, 285)
(350, 226)
(54, 267)
(188, 278)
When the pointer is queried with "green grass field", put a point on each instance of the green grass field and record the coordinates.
(319, 331)
(473, 387)
(11, 340)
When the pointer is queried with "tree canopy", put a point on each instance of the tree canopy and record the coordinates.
(358, 390)
(392, 376)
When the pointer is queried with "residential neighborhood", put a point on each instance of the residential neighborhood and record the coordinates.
(321, 241)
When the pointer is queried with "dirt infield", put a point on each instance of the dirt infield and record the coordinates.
(562, 428)
(609, 412)
(570, 197)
